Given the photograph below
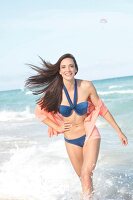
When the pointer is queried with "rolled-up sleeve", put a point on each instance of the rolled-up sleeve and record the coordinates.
(41, 114)
(103, 109)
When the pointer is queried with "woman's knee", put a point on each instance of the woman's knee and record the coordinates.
(87, 171)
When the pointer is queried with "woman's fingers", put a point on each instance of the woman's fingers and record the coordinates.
(67, 126)
(124, 140)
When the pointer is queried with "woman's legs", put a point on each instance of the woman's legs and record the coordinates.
(75, 154)
(84, 161)
(90, 155)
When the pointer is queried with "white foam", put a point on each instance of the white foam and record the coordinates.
(28, 93)
(32, 174)
(9, 115)
(44, 172)
(115, 92)
(115, 86)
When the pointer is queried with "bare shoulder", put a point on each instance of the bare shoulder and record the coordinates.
(85, 84)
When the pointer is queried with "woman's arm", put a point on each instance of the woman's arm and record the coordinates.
(50, 123)
(42, 115)
(108, 117)
(65, 127)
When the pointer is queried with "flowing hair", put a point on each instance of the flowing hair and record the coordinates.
(49, 83)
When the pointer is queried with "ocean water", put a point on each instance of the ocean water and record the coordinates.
(36, 167)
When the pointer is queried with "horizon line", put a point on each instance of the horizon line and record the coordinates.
(95, 80)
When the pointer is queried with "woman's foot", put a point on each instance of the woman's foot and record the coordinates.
(87, 196)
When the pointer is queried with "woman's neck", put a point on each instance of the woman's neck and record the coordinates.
(69, 84)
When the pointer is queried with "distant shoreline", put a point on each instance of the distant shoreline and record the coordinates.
(95, 80)
(119, 77)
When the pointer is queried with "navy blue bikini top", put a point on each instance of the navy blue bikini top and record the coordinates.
(80, 108)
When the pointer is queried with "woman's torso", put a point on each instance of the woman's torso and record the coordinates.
(77, 121)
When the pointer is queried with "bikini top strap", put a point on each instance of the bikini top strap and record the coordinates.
(75, 95)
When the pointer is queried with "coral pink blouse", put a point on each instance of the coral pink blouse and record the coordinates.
(89, 123)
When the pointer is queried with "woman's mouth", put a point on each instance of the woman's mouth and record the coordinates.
(68, 74)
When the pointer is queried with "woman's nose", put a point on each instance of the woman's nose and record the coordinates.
(68, 69)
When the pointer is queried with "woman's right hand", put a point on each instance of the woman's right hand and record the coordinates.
(64, 128)
(123, 138)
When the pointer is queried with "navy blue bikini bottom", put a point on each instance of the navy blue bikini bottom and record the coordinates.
(78, 141)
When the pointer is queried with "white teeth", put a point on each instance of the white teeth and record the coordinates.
(68, 74)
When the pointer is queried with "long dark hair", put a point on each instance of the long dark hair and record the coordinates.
(49, 83)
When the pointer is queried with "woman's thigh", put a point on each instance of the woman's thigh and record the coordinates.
(75, 154)
(90, 154)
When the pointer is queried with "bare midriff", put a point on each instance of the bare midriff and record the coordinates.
(77, 126)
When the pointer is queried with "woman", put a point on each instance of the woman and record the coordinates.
(71, 106)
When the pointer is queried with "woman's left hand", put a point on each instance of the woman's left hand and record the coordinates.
(123, 138)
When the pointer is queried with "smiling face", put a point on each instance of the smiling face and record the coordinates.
(67, 68)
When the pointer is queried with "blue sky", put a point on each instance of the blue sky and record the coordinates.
(52, 28)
